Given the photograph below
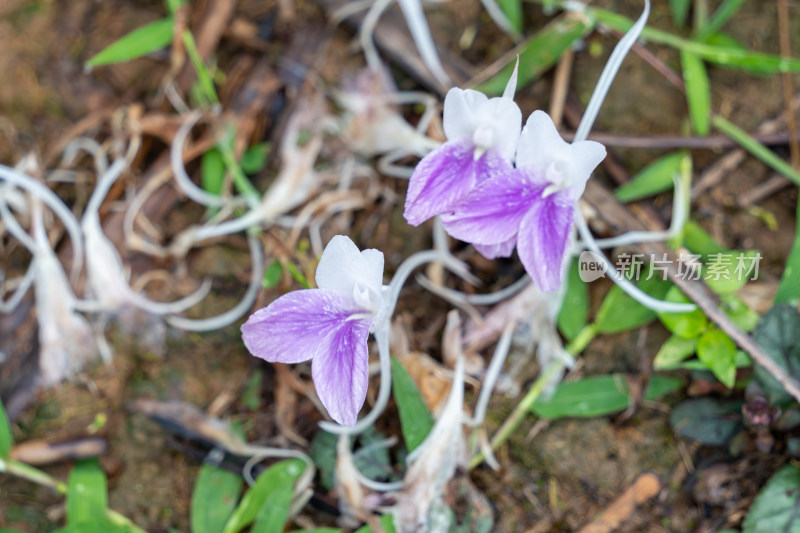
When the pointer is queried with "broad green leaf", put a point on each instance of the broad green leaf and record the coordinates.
(541, 51)
(698, 92)
(279, 475)
(754, 62)
(214, 497)
(687, 325)
(717, 351)
(275, 511)
(789, 288)
(415, 420)
(255, 158)
(775, 507)
(598, 396)
(212, 171)
(575, 308)
(673, 351)
(6, 437)
(726, 273)
(680, 11)
(778, 333)
(655, 178)
(723, 13)
(512, 9)
(707, 420)
(138, 43)
(173, 5)
(87, 493)
(767, 156)
(619, 312)
(739, 313)
(272, 274)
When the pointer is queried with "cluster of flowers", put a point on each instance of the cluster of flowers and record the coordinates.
(494, 186)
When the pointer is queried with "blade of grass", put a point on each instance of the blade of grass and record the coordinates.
(698, 92)
(541, 52)
(138, 43)
(203, 77)
(747, 142)
(789, 289)
(723, 13)
(754, 62)
(680, 11)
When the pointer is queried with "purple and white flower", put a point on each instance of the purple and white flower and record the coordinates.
(482, 136)
(531, 207)
(329, 325)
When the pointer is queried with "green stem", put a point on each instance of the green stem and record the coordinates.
(522, 409)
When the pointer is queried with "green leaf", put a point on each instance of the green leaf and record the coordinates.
(754, 62)
(789, 288)
(739, 313)
(698, 92)
(512, 9)
(687, 325)
(215, 494)
(655, 178)
(319, 530)
(87, 493)
(272, 274)
(138, 43)
(775, 507)
(541, 51)
(673, 351)
(699, 241)
(727, 272)
(706, 420)
(680, 11)
(173, 5)
(724, 40)
(778, 333)
(95, 526)
(387, 523)
(767, 156)
(275, 511)
(598, 396)
(255, 158)
(725, 11)
(212, 171)
(717, 351)
(6, 437)
(415, 420)
(575, 307)
(298, 276)
(283, 474)
(251, 396)
(619, 312)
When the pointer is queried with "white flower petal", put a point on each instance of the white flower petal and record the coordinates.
(503, 116)
(345, 268)
(540, 144)
(584, 158)
(460, 108)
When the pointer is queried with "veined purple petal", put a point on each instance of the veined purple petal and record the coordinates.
(297, 326)
(493, 251)
(445, 176)
(493, 212)
(317, 324)
(543, 238)
(341, 373)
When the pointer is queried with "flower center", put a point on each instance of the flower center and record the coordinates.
(555, 174)
(482, 139)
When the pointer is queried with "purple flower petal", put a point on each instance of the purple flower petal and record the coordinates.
(445, 176)
(297, 326)
(493, 251)
(341, 373)
(543, 238)
(493, 212)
